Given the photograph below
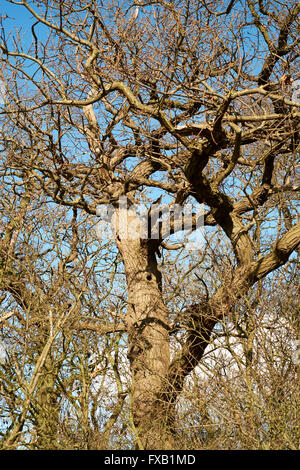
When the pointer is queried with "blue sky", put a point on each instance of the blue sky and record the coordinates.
(17, 18)
(17, 14)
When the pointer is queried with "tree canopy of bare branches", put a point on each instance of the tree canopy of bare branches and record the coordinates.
(189, 100)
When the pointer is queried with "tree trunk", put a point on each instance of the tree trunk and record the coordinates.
(47, 411)
(148, 338)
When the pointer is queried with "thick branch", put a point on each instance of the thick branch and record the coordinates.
(204, 316)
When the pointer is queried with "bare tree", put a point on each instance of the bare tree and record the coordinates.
(54, 366)
(190, 100)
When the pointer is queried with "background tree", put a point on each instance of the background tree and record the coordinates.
(52, 356)
(186, 100)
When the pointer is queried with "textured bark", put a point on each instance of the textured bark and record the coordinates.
(148, 337)
(47, 411)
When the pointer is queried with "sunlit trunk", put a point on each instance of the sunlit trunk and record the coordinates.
(46, 415)
(148, 337)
